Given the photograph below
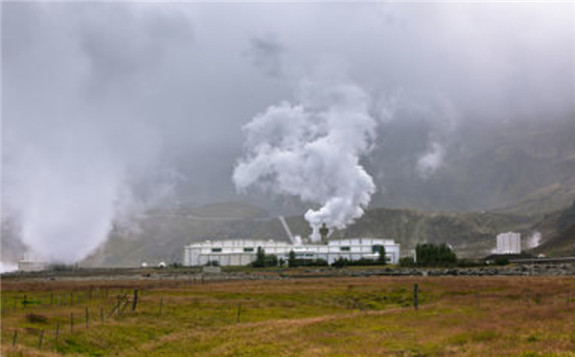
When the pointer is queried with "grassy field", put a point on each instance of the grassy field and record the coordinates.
(495, 316)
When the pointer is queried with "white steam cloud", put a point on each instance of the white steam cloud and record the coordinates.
(64, 211)
(433, 112)
(444, 119)
(68, 189)
(82, 152)
(312, 150)
(431, 160)
(534, 241)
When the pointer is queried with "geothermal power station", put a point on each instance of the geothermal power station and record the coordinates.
(244, 252)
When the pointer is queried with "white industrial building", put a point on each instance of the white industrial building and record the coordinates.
(509, 243)
(26, 265)
(243, 252)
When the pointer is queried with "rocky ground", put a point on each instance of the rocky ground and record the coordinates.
(198, 274)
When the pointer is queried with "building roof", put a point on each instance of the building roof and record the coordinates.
(262, 242)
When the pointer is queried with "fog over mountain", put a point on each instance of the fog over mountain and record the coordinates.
(112, 109)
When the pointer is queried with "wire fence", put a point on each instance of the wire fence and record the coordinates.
(94, 308)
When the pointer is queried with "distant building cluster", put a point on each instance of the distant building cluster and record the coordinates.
(243, 252)
(508, 243)
(28, 265)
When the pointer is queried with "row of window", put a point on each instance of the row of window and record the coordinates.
(219, 250)
(375, 248)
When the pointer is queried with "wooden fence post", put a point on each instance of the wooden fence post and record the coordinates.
(135, 300)
(87, 318)
(239, 312)
(41, 338)
(57, 331)
(71, 323)
(415, 296)
(15, 337)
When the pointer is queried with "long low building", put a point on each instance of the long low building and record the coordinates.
(243, 252)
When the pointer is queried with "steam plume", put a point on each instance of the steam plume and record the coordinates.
(312, 150)
(431, 160)
(66, 192)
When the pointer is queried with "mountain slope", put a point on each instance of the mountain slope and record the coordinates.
(527, 167)
(559, 228)
(163, 234)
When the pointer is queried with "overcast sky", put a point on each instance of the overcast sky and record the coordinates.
(98, 99)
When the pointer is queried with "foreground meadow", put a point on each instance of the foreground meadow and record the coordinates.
(481, 316)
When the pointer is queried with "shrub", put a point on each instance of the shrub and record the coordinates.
(263, 260)
(341, 262)
(434, 255)
(501, 261)
(406, 262)
(467, 263)
(270, 260)
(381, 259)
(308, 263)
(36, 318)
(291, 259)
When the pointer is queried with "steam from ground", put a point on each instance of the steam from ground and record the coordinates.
(534, 240)
(311, 150)
(79, 157)
(68, 188)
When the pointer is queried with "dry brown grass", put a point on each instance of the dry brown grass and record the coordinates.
(511, 316)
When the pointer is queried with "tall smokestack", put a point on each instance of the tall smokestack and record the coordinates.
(323, 232)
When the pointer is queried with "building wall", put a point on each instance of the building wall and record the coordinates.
(509, 243)
(243, 252)
(30, 266)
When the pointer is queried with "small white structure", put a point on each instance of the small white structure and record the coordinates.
(509, 243)
(26, 265)
(243, 252)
